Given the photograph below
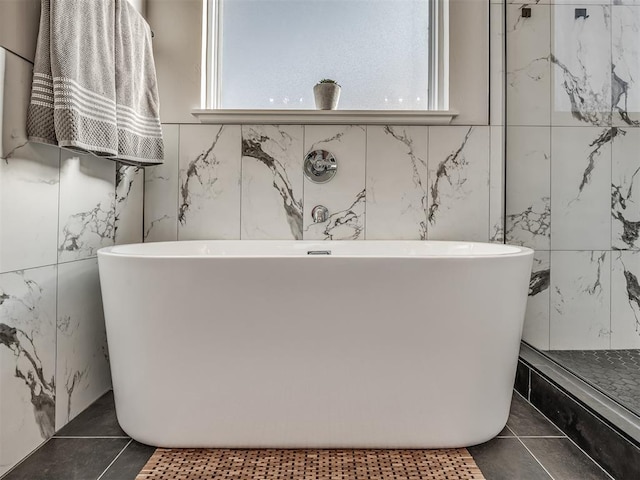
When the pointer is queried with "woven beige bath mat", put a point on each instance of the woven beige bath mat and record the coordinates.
(232, 464)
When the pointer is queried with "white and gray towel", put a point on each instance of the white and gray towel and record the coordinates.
(94, 81)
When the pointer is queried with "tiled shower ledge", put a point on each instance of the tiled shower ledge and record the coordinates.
(611, 411)
(326, 117)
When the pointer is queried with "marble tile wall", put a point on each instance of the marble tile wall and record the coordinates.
(393, 182)
(57, 208)
(573, 168)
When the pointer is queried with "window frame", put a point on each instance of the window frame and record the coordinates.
(438, 88)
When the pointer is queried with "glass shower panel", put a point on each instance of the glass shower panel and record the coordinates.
(573, 184)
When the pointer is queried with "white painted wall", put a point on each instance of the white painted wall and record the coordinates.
(177, 25)
(177, 49)
(19, 22)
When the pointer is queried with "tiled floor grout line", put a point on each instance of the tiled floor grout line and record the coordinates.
(566, 436)
(534, 457)
(24, 460)
(114, 460)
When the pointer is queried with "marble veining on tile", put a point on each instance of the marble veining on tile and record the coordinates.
(209, 191)
(581, 188)
(204, 164)
(496, 232)
(83, 372)
(581, 56)
(272, 182)
(625, 190)
(539, 281)
(536, 323)
(605, 138)
(418, 169)
(528, 65)
(580, 300)
(529, 187)
(633, 295)
(459, 160)
(397, 183)
(625, 300)
(625, 64)
(98, 222)
(535, 220)
(342, 225)
(128, 204)
(161, 185)
(344, 196)
(27, 361)
(453, 164)
(87, 206)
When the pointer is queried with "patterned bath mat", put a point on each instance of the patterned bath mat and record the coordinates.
(232, 464)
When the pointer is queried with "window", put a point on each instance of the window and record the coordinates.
(268, 54)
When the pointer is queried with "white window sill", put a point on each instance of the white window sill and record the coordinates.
(326, 117)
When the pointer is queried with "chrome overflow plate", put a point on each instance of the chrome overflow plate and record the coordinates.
(320, 166)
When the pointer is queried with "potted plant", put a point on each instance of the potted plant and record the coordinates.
(327, 94)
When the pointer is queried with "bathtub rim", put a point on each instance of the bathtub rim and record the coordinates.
(513, 250)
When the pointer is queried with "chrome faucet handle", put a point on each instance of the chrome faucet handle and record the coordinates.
(320, 166)
(320, 214)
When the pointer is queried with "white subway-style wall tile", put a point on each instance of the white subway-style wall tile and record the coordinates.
(161, 188)
(209, 190)
(344, 195)
(459, 183)
(87, 205)
(581, 188)
(272, 176)
(27, 362)
(580, 300)
(397, 183)
(528, 188)
(82, 371)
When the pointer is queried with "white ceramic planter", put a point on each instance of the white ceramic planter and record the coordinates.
(326, 95)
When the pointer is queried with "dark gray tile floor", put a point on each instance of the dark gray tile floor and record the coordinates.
(93, 447)
(615, 373)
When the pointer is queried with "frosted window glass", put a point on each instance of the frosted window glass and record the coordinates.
(274, 51)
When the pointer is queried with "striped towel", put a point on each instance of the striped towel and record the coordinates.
(94, 82)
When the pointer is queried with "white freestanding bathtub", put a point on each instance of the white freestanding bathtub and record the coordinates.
(381, 344)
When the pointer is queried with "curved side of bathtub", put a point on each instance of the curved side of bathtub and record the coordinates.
(294, 352)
